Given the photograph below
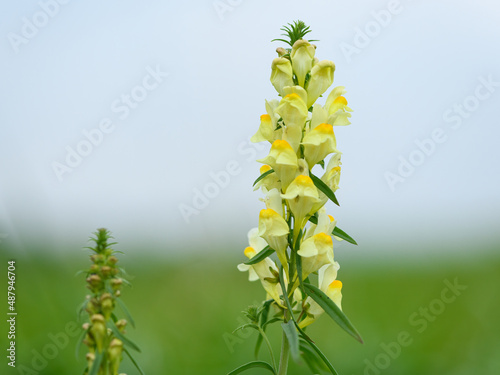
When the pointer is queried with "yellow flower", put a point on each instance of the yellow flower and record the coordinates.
(293, 111)
(266, 130)
(283, 160)
(316, 251)
(336, 106)
(321, 79)
(326, 224)
(330, 286)
(318, 143)
(281, 74)
(274, 229)
(269, 182)
(266, 270)
(331, 178)
(296, 90)
(301, 196)
(273, 200)
(302, 59)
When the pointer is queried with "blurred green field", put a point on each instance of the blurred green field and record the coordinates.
(186, 309)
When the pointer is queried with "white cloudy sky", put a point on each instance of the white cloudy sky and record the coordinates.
(406, 82)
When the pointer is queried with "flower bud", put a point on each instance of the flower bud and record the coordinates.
(121, 325)
(281, 51)
(302, 59)
(98, 330)
(115, 355)
(116, 283)
(281, 74)
(90, 357)
(106, 271)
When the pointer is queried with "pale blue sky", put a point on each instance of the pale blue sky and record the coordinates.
(195, 114)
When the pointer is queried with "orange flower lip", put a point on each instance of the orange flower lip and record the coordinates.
(340, 99)
(336, 284)
(265, 168)
(249, 252)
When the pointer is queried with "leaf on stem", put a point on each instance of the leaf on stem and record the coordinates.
(263, 175)
(293, 339)
(250, 365)
(324, 189)
(332, 310)
(97, 363)
(124, 339)
(133, 361)
(341, 234)
(263, 254)
(319, 352)
(125, 311)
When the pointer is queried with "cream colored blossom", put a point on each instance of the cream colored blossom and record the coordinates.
(321, 79)
(266, 270)
(316, 251)
(283, 161)
(319, 143)
(301, 196)
(302, 59)
(274, 229)
(327, 276)
(293, 111)
(336, 106)
(281, 74)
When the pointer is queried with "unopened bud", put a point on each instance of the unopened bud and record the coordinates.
(106, 271)
(281, 51)
(121, 325)
(116, 283)
(98, 330)
(115, 355)
(107, 304)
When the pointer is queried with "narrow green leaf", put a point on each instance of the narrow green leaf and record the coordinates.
(332, 310)
(97, 363)
(341, 234)
(273, 320)
(125, 311)
(258, 344)
(293, 339)
(247, 325)
(320, 354)
(324, 188)
(263, 254)
(81, 309)
(123, 338)
(250, 365)
(263, 323)
(314, 218)
(133, 361)
(263, 175)
(313, 361)
(79, 343)
(285, 294)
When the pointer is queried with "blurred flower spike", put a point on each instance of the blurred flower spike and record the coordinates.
(103, 333)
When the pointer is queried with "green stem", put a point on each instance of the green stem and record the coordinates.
(269, 347)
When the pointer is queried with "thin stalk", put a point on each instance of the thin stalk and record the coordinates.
(269, 347)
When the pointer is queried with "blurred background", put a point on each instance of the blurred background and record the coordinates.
(136, 116)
